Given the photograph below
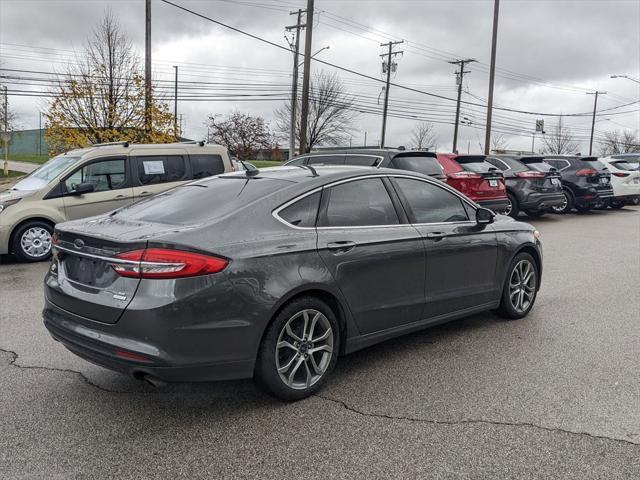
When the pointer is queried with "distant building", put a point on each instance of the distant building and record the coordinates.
(27, 142)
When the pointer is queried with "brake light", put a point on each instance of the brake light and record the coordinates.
(585, 172)
(165, 263)
(464, 175)
(131, 356)
(620, 174)
(530, 174)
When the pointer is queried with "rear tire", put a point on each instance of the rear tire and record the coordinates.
(535, 213)
(616, 204)
(567, 206)
(299, 349)
(583, 208)
(513, 209)
(31, 241)
(520, 288)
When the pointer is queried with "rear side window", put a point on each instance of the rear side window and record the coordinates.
(429, 203)
(421, 164)
(206, 165)
(161, 169)
(501, 164)
(362, 160)
(302, 213)
(326, 160)
(358, 204)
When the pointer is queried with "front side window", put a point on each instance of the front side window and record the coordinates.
(429, 203)
(302, 213)
(104, 175)
(358, 204)
(160, 169)
(206, 165)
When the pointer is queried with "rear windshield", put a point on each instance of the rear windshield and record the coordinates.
(475, 163)
(625, 165)
(537, 164)
(593, 163)
(422, 164)
(201, 201)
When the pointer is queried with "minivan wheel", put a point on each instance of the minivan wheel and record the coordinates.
(513, 209)
(520, 288)
(32, 241)
(299, 350)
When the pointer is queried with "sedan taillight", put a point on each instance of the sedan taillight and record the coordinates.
(166, 263)
(464, 175)
(620, 174)
(530, 174)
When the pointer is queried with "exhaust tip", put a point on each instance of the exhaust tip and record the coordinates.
(151, 380)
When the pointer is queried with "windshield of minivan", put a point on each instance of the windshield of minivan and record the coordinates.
(47, 172)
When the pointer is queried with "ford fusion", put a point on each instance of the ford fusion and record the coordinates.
(274, 274)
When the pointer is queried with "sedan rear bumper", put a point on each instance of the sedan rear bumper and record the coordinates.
(134, 357)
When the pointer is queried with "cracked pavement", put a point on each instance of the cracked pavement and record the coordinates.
(556, 395)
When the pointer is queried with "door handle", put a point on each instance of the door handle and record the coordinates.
(436, 235)
(341, 247)
(119, 197)
(145, 194)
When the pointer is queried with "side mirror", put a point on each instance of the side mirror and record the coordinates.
(484, 216)
(83, 188)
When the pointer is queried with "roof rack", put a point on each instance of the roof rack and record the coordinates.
(110, 144)
(193, 142)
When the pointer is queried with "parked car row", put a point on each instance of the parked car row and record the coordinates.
(511, 184)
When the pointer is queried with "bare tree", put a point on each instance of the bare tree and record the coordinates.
(423, 136)
(499, 143)
(332, 113)
(242, 134)
(619, 142)
(560, 141)
(10, 123)
(100, 98)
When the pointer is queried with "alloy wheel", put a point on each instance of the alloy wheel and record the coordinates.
(304, 349)
(36, 242)
(562, 207)
(522, 286)
(508, 208)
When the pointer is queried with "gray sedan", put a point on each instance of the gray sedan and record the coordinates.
(274, 273)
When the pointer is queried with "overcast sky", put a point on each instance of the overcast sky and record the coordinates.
(549, 54)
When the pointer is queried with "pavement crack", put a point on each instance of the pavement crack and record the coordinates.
(84, 378)
(470, 421)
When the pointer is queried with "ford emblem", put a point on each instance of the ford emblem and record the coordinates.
(78, 243)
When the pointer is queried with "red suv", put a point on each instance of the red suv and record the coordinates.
(476, 178)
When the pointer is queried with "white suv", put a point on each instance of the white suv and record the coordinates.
(625, 178)
(95, 180)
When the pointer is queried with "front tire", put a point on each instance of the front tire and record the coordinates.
(31, 242)
(299, 350)
(520, 287)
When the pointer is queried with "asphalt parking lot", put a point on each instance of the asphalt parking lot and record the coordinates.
(556, 395)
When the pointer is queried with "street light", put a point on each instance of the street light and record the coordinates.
(625, 76)
(313, 56)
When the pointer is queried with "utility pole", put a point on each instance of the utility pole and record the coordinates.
(175, 104)
(304, 108)
(593, 120)
(5, 133)
(492, 74)
(459, 76)
(389, 67)
(147, 67)
(294, 83)
(39, 133)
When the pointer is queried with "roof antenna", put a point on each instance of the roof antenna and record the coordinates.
(313, 170)
(249, 170)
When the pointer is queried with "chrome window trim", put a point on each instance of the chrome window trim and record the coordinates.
(276, 211)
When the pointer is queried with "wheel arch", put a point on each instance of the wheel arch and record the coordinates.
(535, 253)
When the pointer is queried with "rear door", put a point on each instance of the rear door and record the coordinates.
(112, 187)
(375, 257)
(155, 171)
(461, 255)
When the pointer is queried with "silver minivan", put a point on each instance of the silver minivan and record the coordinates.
(90, 181)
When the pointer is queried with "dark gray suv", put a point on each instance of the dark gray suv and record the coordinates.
(274, 273)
